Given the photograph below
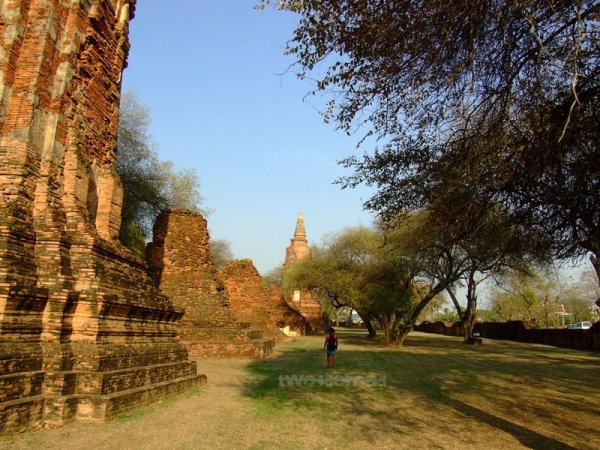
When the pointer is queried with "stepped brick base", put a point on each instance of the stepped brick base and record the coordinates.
(95, 383)
(220, 342)
(84, 333)
(102, 407)
(257, 349)
(22, 414)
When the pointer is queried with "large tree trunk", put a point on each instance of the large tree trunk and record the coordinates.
(326, 322)
(368, 321)
(405, 328)
(389, 324)
(468, 322)
(386, 326)
(370, 328)
(403, 331)
(596, 264)
(468, 318)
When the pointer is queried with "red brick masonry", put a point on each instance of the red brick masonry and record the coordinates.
(181, 264)
(84, 333)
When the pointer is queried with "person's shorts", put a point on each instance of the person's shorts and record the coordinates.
(331, 352)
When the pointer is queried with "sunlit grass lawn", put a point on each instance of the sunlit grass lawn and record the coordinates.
(435, 392)
(540, 396)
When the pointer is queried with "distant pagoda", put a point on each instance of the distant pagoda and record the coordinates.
(298, 248)
(302, 301)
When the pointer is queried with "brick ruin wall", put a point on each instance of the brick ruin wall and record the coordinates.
(292, 319)
(84, 333)
(180, 260)
(310, 309)
(522, 331)
(263, 307)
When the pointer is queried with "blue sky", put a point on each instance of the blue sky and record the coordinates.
(210, 72)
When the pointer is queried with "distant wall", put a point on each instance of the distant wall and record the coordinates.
(517, 330)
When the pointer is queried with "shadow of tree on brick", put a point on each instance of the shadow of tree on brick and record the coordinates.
(542, 397)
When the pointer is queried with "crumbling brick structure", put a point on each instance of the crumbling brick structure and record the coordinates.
(522, 331)
(83, 331)
(288, 318)
(303, 301)
(181, 264)
(252, 302)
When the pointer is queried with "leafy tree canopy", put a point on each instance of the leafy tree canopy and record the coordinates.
(221, 253)
(537, 296)
(150, 185)
(474, 103)
(385, 275)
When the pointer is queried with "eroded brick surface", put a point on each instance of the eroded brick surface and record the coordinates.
(264, 308)
(75, 306)
(181, 264)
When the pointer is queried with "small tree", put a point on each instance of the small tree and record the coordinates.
(334, 273)
(492, 248)
(150, 185)
(220, 252)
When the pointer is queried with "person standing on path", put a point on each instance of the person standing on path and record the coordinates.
(331, 345)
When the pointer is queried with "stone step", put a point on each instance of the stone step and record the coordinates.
(224, 334)
(98, 408)
(19, 415)
(20, 385)
(256, 348)
(106, 383)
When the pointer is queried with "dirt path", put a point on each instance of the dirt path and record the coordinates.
(217, 415)
(436, 393)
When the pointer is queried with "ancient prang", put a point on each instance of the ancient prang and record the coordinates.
(84, 333)
(298, 248)
(302, 301)
(181, 264)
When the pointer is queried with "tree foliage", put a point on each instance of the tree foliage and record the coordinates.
(386, 275)
(221, 253)
(334, 272)
(535, 297)
(150, 185)
(474, 103)
(495, 247)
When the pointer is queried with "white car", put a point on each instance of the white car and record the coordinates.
(580, 326)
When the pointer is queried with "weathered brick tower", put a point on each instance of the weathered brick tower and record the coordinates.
(298, 248)
(303, 302)
(83, 331)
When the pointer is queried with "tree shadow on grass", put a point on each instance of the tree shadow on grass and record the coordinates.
(402, 391)
(527, 437)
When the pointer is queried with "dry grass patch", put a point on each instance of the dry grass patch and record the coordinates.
(434, 393)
